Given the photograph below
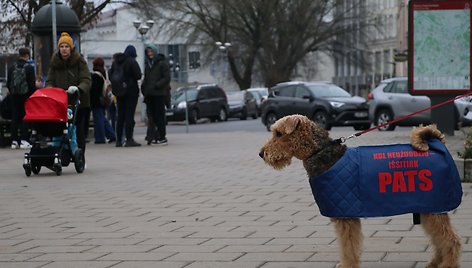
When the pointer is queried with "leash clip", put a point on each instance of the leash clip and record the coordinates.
(344, 139)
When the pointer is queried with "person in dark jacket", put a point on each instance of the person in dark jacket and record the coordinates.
(69, 69)
(127, 103)
(18, 100)
(102, 127)
(155, 89)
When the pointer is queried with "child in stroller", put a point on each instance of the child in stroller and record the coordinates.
(51, 113)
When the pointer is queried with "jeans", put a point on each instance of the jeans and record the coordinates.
(157, 109)
(126, 109)
(102, 128)
(112, 114)
(17, 114)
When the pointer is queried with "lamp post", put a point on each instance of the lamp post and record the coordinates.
(143, 28)
(223, 48)
(174, 67)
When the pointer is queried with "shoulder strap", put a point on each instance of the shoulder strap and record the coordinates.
(99, 74)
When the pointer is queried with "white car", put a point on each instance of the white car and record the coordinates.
(391, 100)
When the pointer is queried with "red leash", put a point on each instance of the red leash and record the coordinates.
(344, 139)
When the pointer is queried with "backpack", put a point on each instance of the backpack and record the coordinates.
(106, 96)
(19, 85)
(117, 79)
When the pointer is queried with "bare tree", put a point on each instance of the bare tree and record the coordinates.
(17, 16)
(209, 21)
(274, 35)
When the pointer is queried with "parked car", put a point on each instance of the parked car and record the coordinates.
(242, 104)
(391, 100)
(207, 100)
(323, 102)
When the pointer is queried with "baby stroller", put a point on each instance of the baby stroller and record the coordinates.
(54, 140)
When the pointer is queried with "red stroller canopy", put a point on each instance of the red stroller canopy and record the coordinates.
(47, 104)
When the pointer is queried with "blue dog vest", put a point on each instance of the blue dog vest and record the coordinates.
(374, 181)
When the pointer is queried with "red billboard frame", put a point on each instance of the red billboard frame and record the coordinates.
(419, 5)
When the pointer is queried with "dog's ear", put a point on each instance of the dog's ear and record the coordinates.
(292, 124)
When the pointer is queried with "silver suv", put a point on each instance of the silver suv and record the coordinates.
(391, 100)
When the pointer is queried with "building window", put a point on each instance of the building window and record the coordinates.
(194, 59)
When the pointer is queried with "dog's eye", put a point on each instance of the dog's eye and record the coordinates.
(278, 134)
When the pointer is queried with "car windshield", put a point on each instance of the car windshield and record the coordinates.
(179, 96)
(235, 96)
(326, 91)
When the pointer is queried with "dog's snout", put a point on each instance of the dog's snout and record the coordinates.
(261, 154)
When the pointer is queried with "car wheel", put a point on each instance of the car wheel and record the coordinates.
(193, 116)
(270, 120)
(254, 115)
(222, 115)
(383, 117)
(321, 118)
(362, 127)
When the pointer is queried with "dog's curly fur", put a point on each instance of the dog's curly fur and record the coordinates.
(297, 136)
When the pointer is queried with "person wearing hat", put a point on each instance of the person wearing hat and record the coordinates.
(127, 103)
(68, 68)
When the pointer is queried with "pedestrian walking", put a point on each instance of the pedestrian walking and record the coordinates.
(155, 89)
(21, 84)
(68, 68)
(99, 102)
(124, 75)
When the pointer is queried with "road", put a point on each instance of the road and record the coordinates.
(251, 125)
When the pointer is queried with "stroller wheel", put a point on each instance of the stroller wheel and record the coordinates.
(57, 169)
(36, 169)
(79, 161)
(27, 170)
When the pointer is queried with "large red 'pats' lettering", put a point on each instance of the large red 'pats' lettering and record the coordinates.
(385, 178)
(398, 182)
(426, 183)
(411, 179)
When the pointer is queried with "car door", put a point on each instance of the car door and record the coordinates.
(403, 103)
(285, 101)
(204, 102)
(303, 101)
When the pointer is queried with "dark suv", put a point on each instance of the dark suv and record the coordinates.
(323, 102)
(201, 101)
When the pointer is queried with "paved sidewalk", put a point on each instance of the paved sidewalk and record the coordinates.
(206, 200)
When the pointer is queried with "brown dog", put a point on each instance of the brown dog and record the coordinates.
(297, 136)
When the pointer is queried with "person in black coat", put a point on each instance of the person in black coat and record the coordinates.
(18, 100)
(127, 103)
(156, 91)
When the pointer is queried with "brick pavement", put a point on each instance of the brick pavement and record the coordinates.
(206, 200)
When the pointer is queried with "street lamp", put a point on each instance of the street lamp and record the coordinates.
(143, 27)
(223, 47)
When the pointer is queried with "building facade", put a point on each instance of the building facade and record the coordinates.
(376, 49)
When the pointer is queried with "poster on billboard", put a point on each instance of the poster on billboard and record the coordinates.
(439, 47)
